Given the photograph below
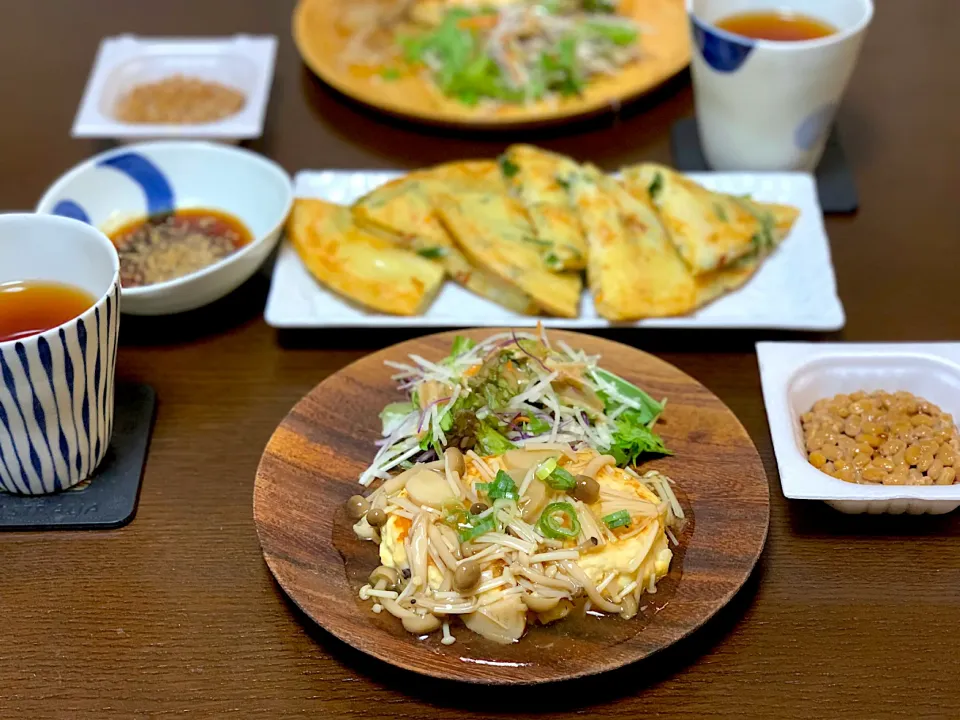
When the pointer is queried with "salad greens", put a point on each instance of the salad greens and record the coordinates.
(511, 390)
(524, 51)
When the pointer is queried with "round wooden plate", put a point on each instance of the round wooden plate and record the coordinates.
(310, 468)
(322, 31)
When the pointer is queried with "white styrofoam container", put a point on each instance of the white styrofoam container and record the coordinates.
(794, 289)
(243, 62)
(795, 375)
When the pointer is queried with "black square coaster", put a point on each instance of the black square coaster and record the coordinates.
(835, 183)
(109, 498)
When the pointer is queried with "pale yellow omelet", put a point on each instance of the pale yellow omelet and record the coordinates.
(650, 544)
(393, 553)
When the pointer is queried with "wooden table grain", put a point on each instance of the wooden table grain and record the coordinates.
(177, 615)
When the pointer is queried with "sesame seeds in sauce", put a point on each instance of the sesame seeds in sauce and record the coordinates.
(170, 246)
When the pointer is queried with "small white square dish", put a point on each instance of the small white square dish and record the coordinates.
(244, 63)
(795, 289)
(795, 375)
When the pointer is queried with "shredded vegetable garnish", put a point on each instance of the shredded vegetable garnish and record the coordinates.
(520, 51)
(512, 391)
(498, 494)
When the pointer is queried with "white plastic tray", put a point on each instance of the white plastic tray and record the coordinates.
(795, 375)
(795, 289)
(242, 61)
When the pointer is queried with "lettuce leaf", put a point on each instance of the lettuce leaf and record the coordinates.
(632, 439)
(649, 410)
(393, 414)
(491, 442)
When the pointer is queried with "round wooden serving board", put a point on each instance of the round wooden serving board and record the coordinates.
(322, 32)
(310, 468)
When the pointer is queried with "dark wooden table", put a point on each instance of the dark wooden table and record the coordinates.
(176, 615)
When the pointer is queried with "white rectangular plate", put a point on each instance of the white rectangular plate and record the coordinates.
(795, 375)
(795, 288)
(243, 62)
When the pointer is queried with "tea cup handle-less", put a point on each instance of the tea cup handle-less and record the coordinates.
(770, 105)
(57, 387)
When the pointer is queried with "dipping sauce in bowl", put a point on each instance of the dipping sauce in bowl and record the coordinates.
(32, 307)
(170, 246)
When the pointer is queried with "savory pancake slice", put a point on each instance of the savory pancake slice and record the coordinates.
(403, 210)
(709, 229)
(541, 181)
(776, 223)
(362, 267)
(711, 285)
(405, 206)
(634, 270)
(784, 218)
(493, 232)
(467, 176)
(402, 207)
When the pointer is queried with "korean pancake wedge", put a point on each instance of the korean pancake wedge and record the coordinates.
(709, 229)
(402, 207)
(634, 270)
(405, 206)
(540, 180)
(403, 210)
(358, 265)
(777, 221)
(493, 232)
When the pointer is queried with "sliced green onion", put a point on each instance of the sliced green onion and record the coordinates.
(618, 519)
(546, 467)
(503, 487)
(431, 253)
(559, 521)
(482, 487)
(508, 167)
(488, 524)
(561, 479)
(656, 186)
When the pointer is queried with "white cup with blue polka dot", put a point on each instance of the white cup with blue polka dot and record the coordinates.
(57, 386)
(769, 105)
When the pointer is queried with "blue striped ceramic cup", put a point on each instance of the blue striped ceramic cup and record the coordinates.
(56, 387)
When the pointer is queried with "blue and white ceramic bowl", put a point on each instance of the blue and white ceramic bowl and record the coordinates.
(56, 388)
(121, 185)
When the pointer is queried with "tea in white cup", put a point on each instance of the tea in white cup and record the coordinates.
(768, 76)
(60, 295)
